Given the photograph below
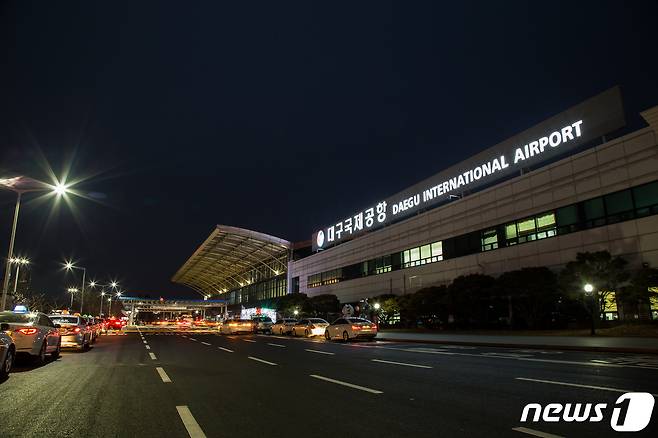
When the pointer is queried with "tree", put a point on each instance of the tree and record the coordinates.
(322, 305)
(287, 304)
(606, 273)
(470, 299)
(532, 293)
(643, 287)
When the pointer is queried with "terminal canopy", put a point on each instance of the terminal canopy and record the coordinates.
(231, 258)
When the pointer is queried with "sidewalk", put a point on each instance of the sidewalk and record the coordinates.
(577, 343)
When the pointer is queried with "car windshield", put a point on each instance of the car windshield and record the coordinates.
(358, 320)
(16, 318)
(64, 319)
(318, 321)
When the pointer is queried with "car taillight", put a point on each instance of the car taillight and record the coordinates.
(374, 326)
(76, 330)
(356, 327)
(27, 331)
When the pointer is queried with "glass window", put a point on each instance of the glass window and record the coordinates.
(510, 231)
(425, 252)
(594, 208)
(415, 254)
(567, 215)
(489, 239)
(526, 226)
(619, 202)
(437, 249)
(646, 195)
(545, 221)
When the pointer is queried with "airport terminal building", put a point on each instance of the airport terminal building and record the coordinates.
(536, 199)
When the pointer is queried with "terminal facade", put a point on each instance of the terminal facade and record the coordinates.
(538, 199)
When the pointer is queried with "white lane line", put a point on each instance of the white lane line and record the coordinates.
(401, 363)
(145, 341)
(165, 378)
(152, 356)
(225, 349)
(349, 385)
(576, 385)
(205, 343)
(231, 337)
(192, 339)
(183, 336)
(534, 432)
(249, 340)
(193, 428)
(276, 345)
(261, 360)
(319, 351)
(147, 347)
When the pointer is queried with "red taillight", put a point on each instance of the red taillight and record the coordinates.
(374, 326)
(356, 327)
(27, 331)
(76, 330)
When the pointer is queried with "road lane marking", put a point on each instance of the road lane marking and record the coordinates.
(165, 378)
(576, 385)
(205, 343)
(192, 339)
(349, 385)
(276, 345)
(193, 428)
(261, 360)
(145, 341)
(401, 363)
(152, 356)
(231, 337)
(534, 432)
(249, 340)
(147, 347)
(225, 349)
(318, 351)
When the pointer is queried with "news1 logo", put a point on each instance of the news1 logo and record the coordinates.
(632, 412)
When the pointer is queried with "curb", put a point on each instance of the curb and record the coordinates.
(527, 346)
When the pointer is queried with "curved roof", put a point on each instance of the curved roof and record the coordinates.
(228, 258)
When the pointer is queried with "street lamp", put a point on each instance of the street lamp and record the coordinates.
(377, 306)
(589, 290)
(72, 290)
(295, 312)
(69, 266)
(93, 284)
(20, 185)
(18, 262)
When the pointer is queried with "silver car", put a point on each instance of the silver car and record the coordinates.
(75, 331)
(33, 333)
(7, 351)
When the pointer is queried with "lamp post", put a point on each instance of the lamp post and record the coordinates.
(18, 262)
(69, 266)
(72, 290)
(109, 312)
(589, 290)
(112, 285)
(20, 185)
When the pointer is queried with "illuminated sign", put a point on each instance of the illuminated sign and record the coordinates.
(550, 139)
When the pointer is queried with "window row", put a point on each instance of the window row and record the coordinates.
(615, 207)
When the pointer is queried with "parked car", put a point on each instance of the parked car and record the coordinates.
(283, 326)
(74, 330)
(7, 351)
(115, 324)
(233, 326)
(263, 324)
(351, 328)
(309, 327)
(33, 333)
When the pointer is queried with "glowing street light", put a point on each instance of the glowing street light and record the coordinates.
(588, 288)
(295, 312)
(93, 284)
(72, 290)
(377, 306)
(69, 266)
(20, 185)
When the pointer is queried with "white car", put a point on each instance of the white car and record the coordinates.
(7, 351)
(34, 334)
(351, 328)
(309, 327)
(234, 326)
(283, 326)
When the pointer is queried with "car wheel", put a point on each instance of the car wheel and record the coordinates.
(306, 333)
(280, 332)
(55, 354)
(7, 364)
(346, 337)
(41, 357)
(327, 336)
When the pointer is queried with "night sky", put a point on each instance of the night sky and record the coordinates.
(275, 116)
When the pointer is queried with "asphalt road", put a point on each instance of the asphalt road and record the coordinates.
(172, 385)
